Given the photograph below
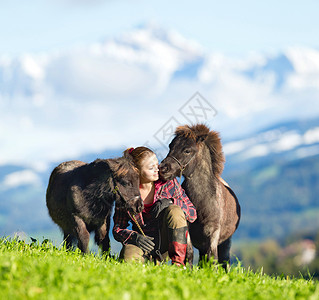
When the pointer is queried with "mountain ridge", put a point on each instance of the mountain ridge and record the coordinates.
(276, 185)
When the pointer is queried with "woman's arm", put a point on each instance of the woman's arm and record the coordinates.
(180, 198)
(121, 222)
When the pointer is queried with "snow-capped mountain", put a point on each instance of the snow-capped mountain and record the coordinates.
(284, 142)
(258, 157)
(281, 142)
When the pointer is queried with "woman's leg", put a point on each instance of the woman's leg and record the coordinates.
(131, 253)
(174, 233)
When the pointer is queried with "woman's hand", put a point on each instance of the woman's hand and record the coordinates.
(143, 242)
(159, 206)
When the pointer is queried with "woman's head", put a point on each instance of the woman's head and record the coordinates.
(146, 162)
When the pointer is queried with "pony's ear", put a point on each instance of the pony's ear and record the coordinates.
(113, 164)
(201, 138)
(120, 166)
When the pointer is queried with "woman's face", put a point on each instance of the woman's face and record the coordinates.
(149, 169)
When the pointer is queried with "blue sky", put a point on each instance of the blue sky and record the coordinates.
(230, 27)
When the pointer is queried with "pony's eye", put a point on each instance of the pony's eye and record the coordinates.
(125, 183)
(187, 151)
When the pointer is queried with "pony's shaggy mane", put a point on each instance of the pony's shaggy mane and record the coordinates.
(192, 132)
(123, 167)
(201, 133)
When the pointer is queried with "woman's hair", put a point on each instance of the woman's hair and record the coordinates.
(138, 154)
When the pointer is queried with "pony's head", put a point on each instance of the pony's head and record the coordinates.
(126, 183)
(190, 146)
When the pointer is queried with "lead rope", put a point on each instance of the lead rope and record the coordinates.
(159, 254)
(116, 189)
(138, 225)
(141, 230)
(180, 177)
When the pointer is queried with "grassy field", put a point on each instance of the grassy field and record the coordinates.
(42, 271)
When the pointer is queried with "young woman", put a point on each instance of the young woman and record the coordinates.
(161, 228)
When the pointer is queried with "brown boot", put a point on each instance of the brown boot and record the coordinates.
(177, 244)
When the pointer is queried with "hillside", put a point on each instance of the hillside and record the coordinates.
(275, 175)
(278, 199)
(41, 271)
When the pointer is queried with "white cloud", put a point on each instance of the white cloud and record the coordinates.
(312, 136)
(32, 67)
(235, 147)
(121, 92)
(256, 151)
(26, 177)
(307, 151)
(90, 77)
(287, 142)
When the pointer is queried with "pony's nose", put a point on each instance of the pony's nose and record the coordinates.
(135, 204)
(137, 200)
(139, 204)
(164, 168)
(140, 207)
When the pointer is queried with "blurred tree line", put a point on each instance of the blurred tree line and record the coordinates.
(279, 228)
(297, 256)
(277, 198)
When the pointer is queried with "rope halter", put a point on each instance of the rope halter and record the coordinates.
(181, 166)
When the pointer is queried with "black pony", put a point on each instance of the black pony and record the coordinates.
(80, 197)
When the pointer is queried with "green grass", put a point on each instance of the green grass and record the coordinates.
(34, 271)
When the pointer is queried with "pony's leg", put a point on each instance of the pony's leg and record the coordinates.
(102, 236)
(68, 239)
(212, 252)
(82, 234)
(208, 253)
(202, 256)
(189, 252)
(223, 253)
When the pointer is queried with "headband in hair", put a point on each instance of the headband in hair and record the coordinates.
(130, 150)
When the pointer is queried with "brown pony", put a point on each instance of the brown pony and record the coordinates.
(196, 152)
(80, 197)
